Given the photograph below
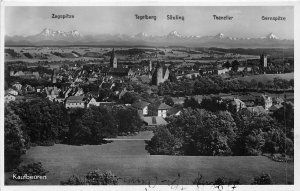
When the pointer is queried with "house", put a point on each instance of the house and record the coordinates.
(28, 88)
(221, 71)
(9, 97)
(174, 111)
(19, 73)
(17, 85)
(12, 92)
(274, 108)
(256, 109)
(79, 92)
(67, 92)
(265, 101)
(51, 92)
(39, 88)
(189, 75)
(206, 71)
(141, 107)
(238, 104)
(144, 79)
(158, 109)
(93, 102)
(178, 100)
(154, 121)
(120, 72)
(36, 75)
(249, 100)
(107, 85)
(277, 100)
(75, 101)
(78, 80)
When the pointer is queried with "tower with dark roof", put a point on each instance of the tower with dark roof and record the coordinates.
(113, 59)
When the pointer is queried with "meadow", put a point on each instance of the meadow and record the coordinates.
(129, 160)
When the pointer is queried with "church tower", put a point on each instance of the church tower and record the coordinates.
(158, 76)
(113, 60)
(150, 65)
(263, 61)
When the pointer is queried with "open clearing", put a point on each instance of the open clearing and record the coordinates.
(129, 160)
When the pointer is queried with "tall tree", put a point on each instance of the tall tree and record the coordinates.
(14, 139)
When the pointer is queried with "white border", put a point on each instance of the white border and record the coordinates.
(295, 3)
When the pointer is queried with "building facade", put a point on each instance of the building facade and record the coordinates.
(160, 74)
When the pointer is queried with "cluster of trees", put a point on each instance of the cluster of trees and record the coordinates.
(211, 104)
(216, 84)
(95, 177)
(262, 179)
(202, 132)
(283, 83)
(42, 122)
(285, 116)
(14, 145)
(98, 177)
(273, 52)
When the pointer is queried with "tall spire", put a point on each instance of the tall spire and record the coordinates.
(157, 63)
(113, 59)
(112, 53)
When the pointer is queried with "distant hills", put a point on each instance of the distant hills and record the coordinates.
(49, 37)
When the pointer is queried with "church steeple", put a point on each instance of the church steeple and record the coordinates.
(113, 60)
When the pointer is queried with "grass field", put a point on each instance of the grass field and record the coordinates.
(129, 160)
(264, 78)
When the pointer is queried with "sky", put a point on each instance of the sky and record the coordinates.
(246, 21)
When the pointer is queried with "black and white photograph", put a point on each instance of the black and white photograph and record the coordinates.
(148, 95)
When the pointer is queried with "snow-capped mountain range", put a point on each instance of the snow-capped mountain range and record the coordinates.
(57, 37)
(52, 33)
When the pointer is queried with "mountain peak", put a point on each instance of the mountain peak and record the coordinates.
(174, 34)
(142, 34)
(173, 38)
(220, 35)
(46, 31)
(75, 33)
(271, 36)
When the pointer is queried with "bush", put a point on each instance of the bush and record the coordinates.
(162, 143)
(219, 181)
(32, 169)
(96, 177)
(199, 180)
(75, 180)
(226, 181)
(263, 179)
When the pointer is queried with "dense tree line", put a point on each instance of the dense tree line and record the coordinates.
(202, 132)
(42, 122)
(216, 84)
(285, 116)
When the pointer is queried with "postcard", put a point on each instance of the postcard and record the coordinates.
(148, 96)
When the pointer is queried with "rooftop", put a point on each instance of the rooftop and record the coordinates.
(160, 106)
(154, 121)
(140, 104)
(75, 99)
